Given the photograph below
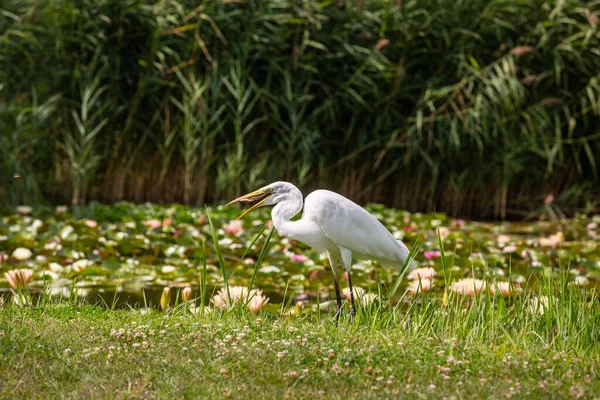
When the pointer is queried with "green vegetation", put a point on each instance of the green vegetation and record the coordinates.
(497, 350)
(483, 108)
(527, 328)
(122, 249)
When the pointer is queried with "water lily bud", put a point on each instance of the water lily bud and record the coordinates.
(165, 299)
(19, 278)
(186, 294)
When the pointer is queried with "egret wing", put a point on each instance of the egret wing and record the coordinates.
(351, 226)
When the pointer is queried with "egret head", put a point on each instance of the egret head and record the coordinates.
(267, 195)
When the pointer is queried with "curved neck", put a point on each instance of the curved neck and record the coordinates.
(284, 211)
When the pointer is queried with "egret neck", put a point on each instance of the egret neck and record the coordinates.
(282, 214)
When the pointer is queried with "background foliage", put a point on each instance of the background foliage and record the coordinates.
(478, 108)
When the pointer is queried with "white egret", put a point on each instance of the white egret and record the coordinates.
(330, 224)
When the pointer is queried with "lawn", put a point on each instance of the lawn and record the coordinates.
(75, 351)
(95, 321)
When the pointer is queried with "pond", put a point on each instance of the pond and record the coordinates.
(125, 254)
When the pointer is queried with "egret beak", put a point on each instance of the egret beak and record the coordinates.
(262, 194)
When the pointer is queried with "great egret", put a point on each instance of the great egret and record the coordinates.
(330, 224)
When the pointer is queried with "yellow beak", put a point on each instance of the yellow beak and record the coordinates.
(252, 197)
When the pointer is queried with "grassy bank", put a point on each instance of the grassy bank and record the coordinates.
(72, 351)
(481, 108)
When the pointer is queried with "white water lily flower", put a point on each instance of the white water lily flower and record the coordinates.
(225, 242)
(360, 295)
(55, 267)
(581, 280)
(169, 251)
(50, 246)
(167, 269)
(22, 254)
(35, 226)
(269, 269)
(539, 305)
(61, 210)
(24, 210)
(121, 235)
(66, 231)
(50, 274)
(80, 265)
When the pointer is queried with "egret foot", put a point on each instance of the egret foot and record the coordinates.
(353, 312)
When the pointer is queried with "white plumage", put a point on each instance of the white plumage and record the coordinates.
(350, 226)
(330, 224)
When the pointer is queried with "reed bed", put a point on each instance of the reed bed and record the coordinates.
(482, 109)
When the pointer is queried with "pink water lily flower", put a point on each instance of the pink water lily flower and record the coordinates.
(503, 239)
(502, 288)
(301, 258)
(233, 228)
(552, 240)
(424, 285)
(257, 302)
(153, 223)
(239, 294)
(90, 223)
(431, 254)
(468, 286)
(423, 273)
(509, 249)
(19, 278)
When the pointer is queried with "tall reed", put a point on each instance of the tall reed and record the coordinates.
(479, 108)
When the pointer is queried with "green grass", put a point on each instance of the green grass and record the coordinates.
(81, 351)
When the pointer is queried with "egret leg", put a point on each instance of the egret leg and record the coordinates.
(338, 297)
(347, 261)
